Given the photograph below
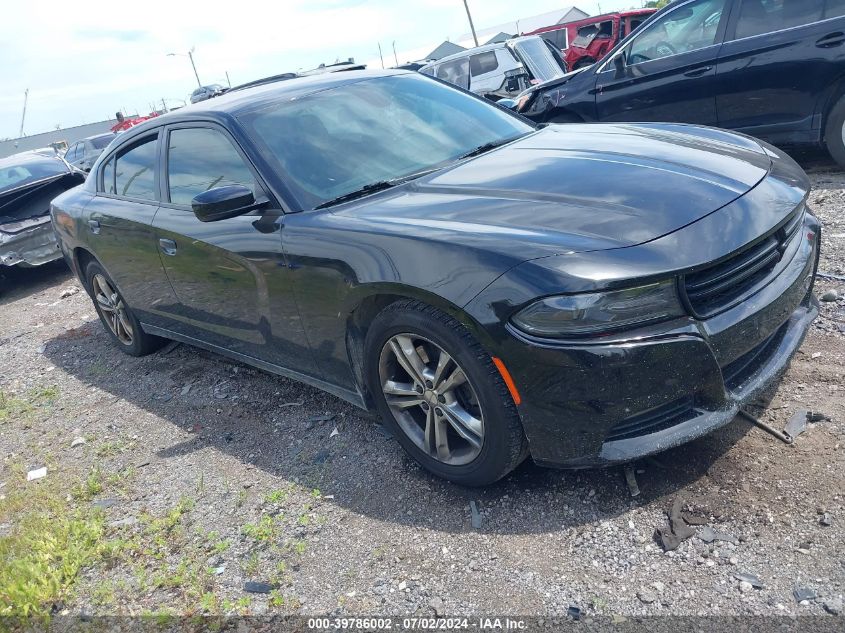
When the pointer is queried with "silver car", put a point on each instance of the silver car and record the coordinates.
(82, 154)
(501, 70)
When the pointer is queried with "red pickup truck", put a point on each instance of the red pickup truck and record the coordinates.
(586, 41)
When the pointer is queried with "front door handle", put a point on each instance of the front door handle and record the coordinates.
(831, 40)
(168, 247)
(94, 225)
(697, 72)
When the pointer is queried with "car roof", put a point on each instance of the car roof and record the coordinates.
(478, 49)
(96, 136)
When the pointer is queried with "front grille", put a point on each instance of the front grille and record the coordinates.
(654, 420)
(738, 371)
(722, 286)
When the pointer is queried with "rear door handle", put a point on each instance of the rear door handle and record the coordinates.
(168, 247)
(831, 40)
(94, 225)
(697, 72)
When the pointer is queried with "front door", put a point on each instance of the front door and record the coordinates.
(779, 56)
(667, 72)
(229, 276)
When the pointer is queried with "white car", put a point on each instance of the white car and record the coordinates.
(501, 70)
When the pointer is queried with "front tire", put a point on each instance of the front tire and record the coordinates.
(442, 396)
(118, 319)
(834, 134)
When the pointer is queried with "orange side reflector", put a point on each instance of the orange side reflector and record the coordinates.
(506, 376)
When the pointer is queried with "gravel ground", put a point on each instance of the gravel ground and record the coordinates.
(271, 481)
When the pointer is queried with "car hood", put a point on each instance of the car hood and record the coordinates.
(575, 188)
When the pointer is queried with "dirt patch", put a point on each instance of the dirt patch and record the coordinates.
(213, 474)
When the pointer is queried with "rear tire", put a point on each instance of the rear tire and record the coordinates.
(117, 317)
(476, 437)
(834, 132)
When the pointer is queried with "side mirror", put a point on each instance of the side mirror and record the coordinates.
(222, 203)
(510, 104)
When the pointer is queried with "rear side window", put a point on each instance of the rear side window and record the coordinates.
(834, 8)
(766, 16)
(455, 72)
(135, 171)
(483, 63)
(199, 159)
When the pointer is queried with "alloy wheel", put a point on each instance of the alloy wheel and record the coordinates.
(113, 309)
(431, 399)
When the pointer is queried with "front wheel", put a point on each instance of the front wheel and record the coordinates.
(834, 134)
(117, 317)
(440, 392)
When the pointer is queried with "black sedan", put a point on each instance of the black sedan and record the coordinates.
(583, 294)
(771, 69)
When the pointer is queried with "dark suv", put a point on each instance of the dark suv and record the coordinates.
(774, 69)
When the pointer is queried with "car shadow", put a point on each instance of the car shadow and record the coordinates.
(17, 282)
(279, 426)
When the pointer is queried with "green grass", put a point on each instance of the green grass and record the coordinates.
(13, 407)
(50, 543)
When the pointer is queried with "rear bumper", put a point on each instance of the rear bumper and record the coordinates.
(30, 245)
(600, 404)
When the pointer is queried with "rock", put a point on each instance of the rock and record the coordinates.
(403, 585)
(833, 606)
(104, 503)
(745, 586)
(334, 432)
(751, 579)
(258, 587)
(186, 390)
(708, 535)
(77, 441)
(659, 587)
(476, 516)
(437, 606)
(69, 292)
(127, 522)
(646, 596)
(830, 295)
(803, 593)
(825, 520)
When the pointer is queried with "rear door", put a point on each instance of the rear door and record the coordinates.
(667, 71)
(230, 276)
(118, 225)
(780, 55)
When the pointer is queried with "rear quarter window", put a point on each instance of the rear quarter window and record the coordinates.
(483, 63)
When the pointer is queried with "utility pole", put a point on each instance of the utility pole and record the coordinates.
(194, 66)
(395, 56)
(23, 116)
(471, 25)
(380, 55)
(228, 81)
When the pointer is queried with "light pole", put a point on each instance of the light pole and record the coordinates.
(190, 56)
(471, 25)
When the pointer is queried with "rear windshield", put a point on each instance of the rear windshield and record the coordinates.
(13, 176)
(101, 142)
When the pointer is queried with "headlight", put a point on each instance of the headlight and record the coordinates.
(600, 312)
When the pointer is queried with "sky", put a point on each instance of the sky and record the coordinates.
(82, 62)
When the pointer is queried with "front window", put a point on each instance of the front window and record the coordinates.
(201, 159)
(690, 27)
(337, 141)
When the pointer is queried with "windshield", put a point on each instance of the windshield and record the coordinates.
(100, 142)
(535, 54)
(28, 171)
(335, 142)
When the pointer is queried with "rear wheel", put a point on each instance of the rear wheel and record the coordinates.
(834, 134)
(440, 392)
(116, 316)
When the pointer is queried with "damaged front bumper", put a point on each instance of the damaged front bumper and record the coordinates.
(29, 242)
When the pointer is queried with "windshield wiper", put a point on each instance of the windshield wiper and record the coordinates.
(373, 187)
(483, 149)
